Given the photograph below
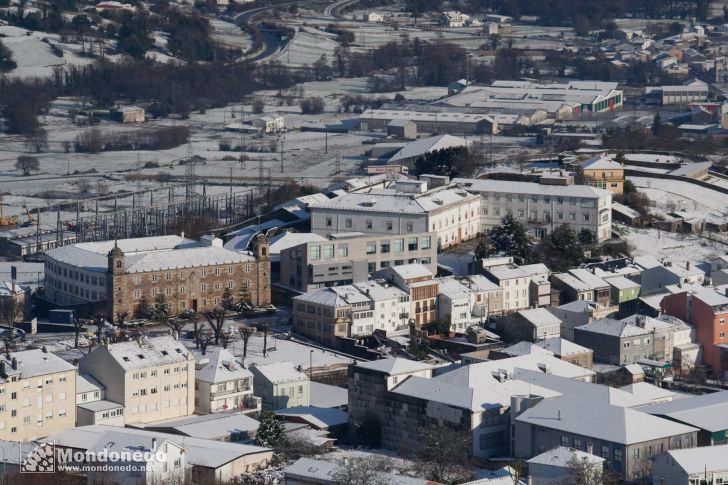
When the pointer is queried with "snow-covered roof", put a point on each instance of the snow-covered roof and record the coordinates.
(562, 347)
(697, 461)
(427, 145)
(147, 254)
(32, 363)
(707, 411)
(577, 414)
(564, 457)
(320, 418)
(278, 372)
(219, 365)
(394, 366)
(510, 271)
(412, 270)
(6, 288)
(148, 352)
(540, 317)
(309, 470)
(217, 426)
(615, 328)
(530, 188)
(621, 283)
(327, 396)
(87, 383)
(101, 405)
(199, 452)
(601, 163)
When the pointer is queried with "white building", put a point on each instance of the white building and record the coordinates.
(152, 378)
(281, 385)
(542, 208)
(374, 17)
(92, 407)
(704, 465)
(454, 19)
(270, 123)
(455, 302)
(222, 384)
(450, 211)
(523, 286)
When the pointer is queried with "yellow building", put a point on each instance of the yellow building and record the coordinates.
(603, 173)
(153, 378)
(37, 395)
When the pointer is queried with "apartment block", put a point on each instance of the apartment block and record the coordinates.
(37, 395)
(352, 257)
(153, 378)
(523, 287)
(281, 385)
(542, 208)
(409, 208)
(222, 384)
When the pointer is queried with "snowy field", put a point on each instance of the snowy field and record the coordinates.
(678, 247)
(684, 195)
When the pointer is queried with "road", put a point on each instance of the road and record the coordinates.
(272, 39)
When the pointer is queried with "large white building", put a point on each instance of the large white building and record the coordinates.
(541, 207)
(450, 211)
(152, 378)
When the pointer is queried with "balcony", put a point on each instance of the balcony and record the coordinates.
(403, 315)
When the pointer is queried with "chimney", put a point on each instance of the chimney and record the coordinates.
(154, 444)
(14, 363)
(44, 349)
(687, 265)
(175, 335)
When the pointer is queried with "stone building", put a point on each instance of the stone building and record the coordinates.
(128, 273)
(188, 278)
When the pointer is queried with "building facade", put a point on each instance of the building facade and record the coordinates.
(542, 208)
(222, 384)
(37, 395)
(154, 379)
(351, 258)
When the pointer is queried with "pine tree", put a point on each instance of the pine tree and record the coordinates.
(227, 299)
(270, 432)
(144, 308)
(511, 239)
(160, 312)
(244, 297)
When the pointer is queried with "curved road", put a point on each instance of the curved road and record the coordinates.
(272, 39)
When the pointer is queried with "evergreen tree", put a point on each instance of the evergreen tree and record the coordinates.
(160, 312)
(481, 250)
(510, 238)
(144, 308)
(270, 432)
(227, 299)
(244, 297)
(561, 250)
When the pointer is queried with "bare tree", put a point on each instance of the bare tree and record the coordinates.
(226, 336)
(102, 188)
(37, 140)
(193, 317)
(204, 337)
(83, 185)
(99, 321)
(245, 332)
(584, 472)
(216, 319)
(176, 324)
(27, 164)
(363, 471)
(121, 319)
(443, 454)
(10, 310)
(78, 324)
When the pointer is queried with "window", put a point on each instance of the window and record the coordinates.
(617, 454)
(315, 252)
(329, 222)
(412, 244)
(348, 223)
(426, 242)
(398, 245)
(410, 227)
(371, 248)
(329, 251)
(605, 452)
(384, 247)
(388, 225)
(343, 250)
(586, 217)
(369, 223)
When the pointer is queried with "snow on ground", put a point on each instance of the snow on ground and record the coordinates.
(651, 242)
(683, 195)
(34, 57)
